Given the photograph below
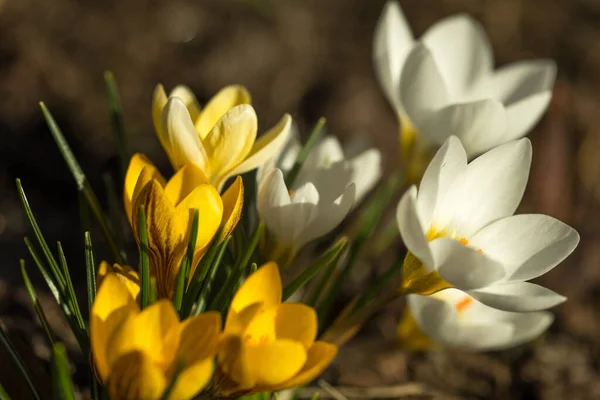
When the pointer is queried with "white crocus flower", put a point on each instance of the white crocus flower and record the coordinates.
(445, 83)
(461, 229)
(454, 318)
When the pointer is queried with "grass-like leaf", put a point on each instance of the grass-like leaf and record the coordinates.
(69, 292)
(116, 116)
(90, 271)
(204, 292)
(144, 260)
(186, 264)
(3, 394)
(62, 386)
(331, 256)
(36, 304)
(12, 352)
(81, 181)
(315, 134)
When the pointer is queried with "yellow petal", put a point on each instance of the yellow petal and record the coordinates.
(223, 101)
(230, 142)
(263, 286)
(233, 203)
(319, 357)
(138, 163)
(166, 236)
(237, 322)
(128, 276)
(411, 336)
(291, 321)
(189, 99)
(183, 182)
(197, 348)
(154, 331)
(234, 364)
(267, 146)
(112, 306)
(135, 377)
(206, 199)
(159, 99)
(275, 362)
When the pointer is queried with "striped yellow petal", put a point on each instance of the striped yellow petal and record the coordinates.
(223, 101)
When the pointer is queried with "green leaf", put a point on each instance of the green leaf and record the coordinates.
(12, 352)
(58, 279)
(331, 256)
(169, 389)
(186, 263)
(379, 284)
(76, 325)
(3, 394)
(204, 292)
(303, 154)
(225, 294)
(36, 304)
(69, 292)
(90, 271)
(116, 116)
(144, 260)
(62, 386)
(81, 181)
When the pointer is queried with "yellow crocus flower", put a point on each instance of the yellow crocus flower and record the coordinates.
(137, 353)
(169, 213)
(221, 138)
(268, 345)
(129, 276)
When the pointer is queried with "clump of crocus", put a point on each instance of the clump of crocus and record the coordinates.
(268, 345)
(169, 209)
(139, 353)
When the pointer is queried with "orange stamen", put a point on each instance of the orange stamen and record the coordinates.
(463, 304)
(464, 241)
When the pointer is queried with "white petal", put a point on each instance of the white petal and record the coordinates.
(528, 326)
(330, 181)
(328, 216)
(326, 152)
(524, 114)
(529, 245)
(480, 125)
(422, 88)
(366, 171)
(179, 137)
(518, 297)
(412, 228)
(518, 81)
(448, 164)
(461, 49)
(463, 266)
(441, 321)
(392, 42)
(491, 188)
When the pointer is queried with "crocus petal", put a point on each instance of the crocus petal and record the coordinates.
(392, 42)
(528, 326)
(154, 331)
(127, 275)
(328, 216)
(412, 229)
(135, 376)
(518, 297)
(366, 172)
(263, 286)
(159, 100)
(197, 347)
(179, 137)
(480, 125)
(233, 203)
(441, 321)
(137, 163)
(230, 142)
(234, 362)
(184, 182)
(189, 99)
(319, 356)
(529, 245)
(266, 147)
(524, 114)
(463, 266)
(326, 152)
(461, 48)
(112, 306)
(275, 362)
(491, 188)
(518, 81)
(447, 166)
(226, 99)
(422, 88)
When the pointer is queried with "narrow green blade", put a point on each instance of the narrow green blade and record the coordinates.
(186, 263)
(303, 154)
(144, 260)
(90, 271)
(12, 352)
(62, 386)
(36, 304)
(116, 116)
(69, 292)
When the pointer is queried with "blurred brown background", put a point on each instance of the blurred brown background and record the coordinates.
(309, 58)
